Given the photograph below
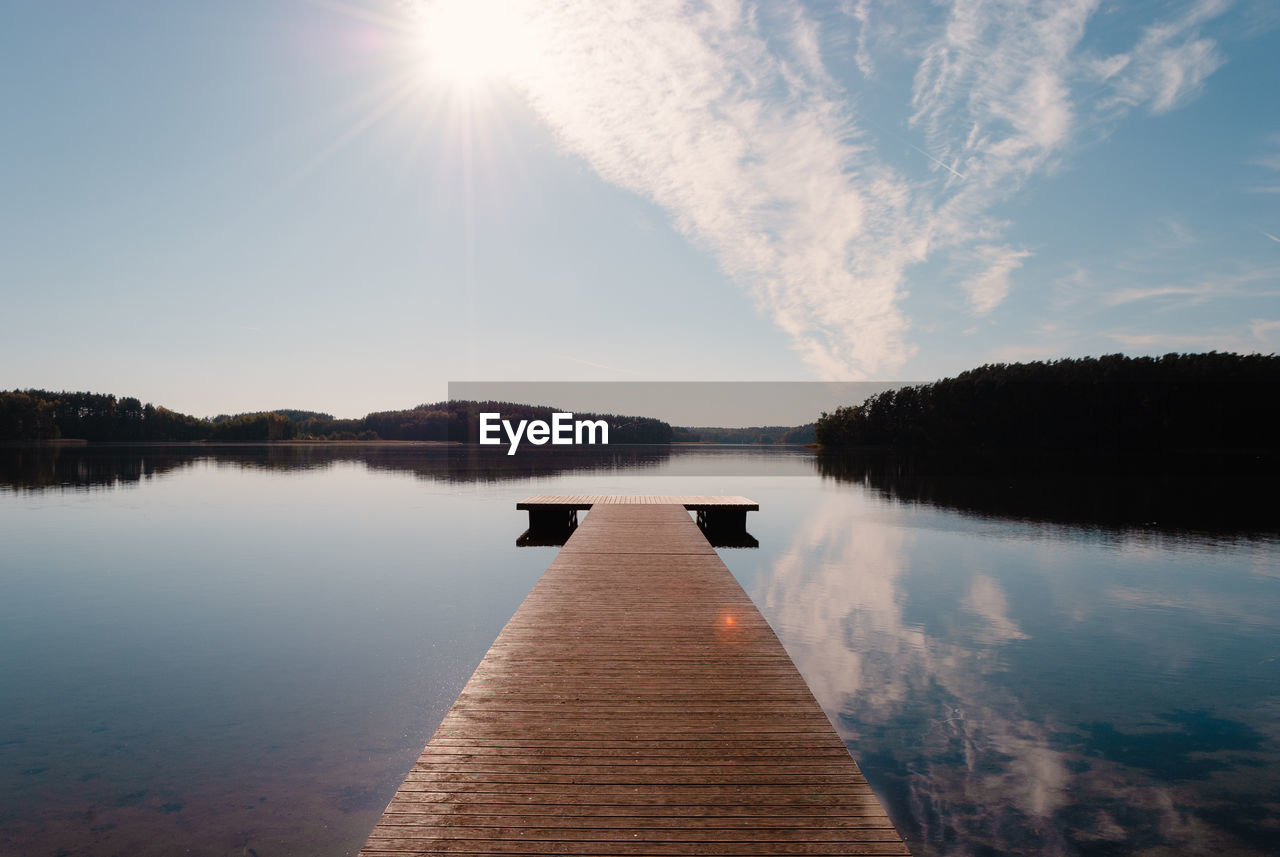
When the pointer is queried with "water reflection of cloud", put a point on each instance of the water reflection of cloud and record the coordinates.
(969, 763)
(1197, 603)
(839, 582)
(986, 600)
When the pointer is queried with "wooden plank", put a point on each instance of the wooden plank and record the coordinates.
(636, 704)
(638, 828)
(386, 846)
(635, 802)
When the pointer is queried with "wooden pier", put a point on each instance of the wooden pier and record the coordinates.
(553, 517)
(636, 704)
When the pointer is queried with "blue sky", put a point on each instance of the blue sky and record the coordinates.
(344, 206)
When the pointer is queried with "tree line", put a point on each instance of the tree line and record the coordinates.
(27, 415)
(45, 415)
(753, 434)
(1213, 401)
(459, 420)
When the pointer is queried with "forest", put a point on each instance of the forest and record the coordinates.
(753, 434)
(1178, 402)
(33, 415)
(460, 421)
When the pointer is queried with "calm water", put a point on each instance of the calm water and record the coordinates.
(242, 651)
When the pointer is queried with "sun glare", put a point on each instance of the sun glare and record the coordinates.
(468, 44)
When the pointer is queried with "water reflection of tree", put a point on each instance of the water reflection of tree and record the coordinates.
(53, 467)
(1211, 493)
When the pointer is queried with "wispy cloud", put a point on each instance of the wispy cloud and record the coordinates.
(860, 11)
(1005, 89)
(1170, 63)
(747, 146)
(1239, 284)
(991, 91)
(1124, 296)
(725, 115)
(990, 286)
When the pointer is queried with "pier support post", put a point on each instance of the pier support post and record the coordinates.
(727, 522)
(549, 525)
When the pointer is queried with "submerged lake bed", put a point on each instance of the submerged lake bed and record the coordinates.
(242, 650)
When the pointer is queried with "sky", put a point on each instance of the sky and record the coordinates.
(345, 205)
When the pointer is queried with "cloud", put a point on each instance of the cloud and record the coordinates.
(1242, 283)
(1125, 296)
(727, 116)
(860, 11)
(1005, 89)
(748, 149)
(987, 600)
(991, 92)
(1169, 64)
(988, 288)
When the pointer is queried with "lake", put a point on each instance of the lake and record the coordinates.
(242, 650)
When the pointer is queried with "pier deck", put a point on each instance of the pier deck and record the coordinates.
(636, 704)
(552, 517)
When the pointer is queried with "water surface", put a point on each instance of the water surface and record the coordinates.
(242, 650)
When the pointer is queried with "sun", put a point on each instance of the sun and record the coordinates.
(468, 44)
